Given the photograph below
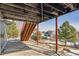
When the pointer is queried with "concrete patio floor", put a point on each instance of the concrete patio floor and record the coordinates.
(30, 48)
(17, 48)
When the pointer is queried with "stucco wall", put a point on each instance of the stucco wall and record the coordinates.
(2, 36)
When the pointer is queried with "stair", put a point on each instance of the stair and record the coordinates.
(27, 31)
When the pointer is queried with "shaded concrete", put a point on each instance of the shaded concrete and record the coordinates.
(17, 48)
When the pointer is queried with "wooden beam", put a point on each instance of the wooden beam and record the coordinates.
(40, 9)
(37, 9)
(34, 10)
(33, 5)
(21, 18)
(46, 19)
(52, 13)
(54, 8)
(12, 15)
(7, 7)
(69, 5)
(25, 8)
(14, 11)
(21, 14)
(25, 16)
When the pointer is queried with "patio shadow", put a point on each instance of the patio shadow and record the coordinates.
(15, 46)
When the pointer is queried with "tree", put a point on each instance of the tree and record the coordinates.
(34, 36)
(12, 30)
(66, 31)
(74, 39)
(73, 35)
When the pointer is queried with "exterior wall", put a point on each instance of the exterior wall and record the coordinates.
(2, 35)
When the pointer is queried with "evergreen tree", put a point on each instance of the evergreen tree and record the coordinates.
(66, 31)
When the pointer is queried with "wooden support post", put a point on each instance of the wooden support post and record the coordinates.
(37, 34)
(56, 34)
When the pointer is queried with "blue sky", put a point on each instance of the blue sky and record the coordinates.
(72, 17)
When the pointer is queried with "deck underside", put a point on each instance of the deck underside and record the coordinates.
(35, 12)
